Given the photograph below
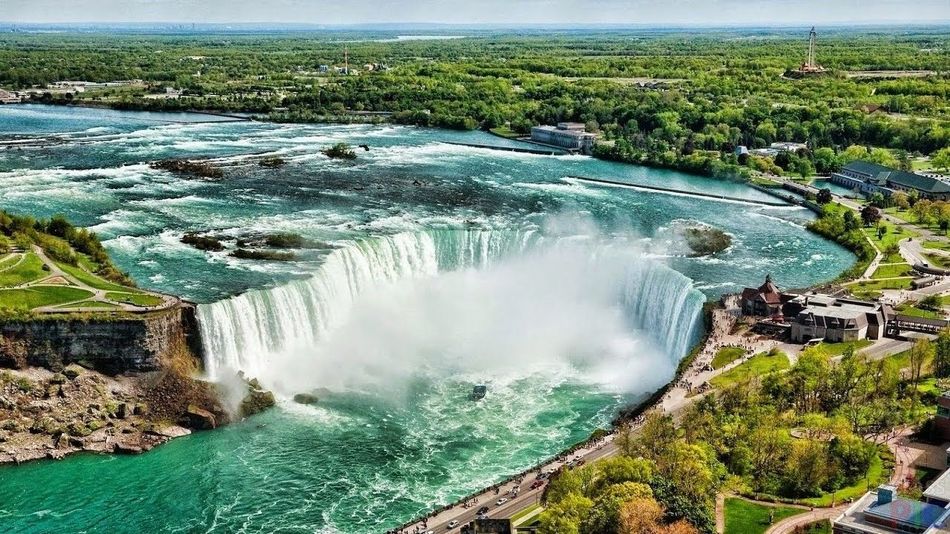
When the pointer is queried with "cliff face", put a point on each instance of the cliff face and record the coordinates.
(110, 345)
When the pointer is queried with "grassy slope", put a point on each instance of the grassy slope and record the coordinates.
(31, 269)
(893, 271)
(27, 299)
(837, 349)
(759, 365)
(727, 355)
(744, 517)
(892, 236)
(92, 280)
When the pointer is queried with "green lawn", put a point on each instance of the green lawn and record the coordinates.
(837, 349)
(759, 365)
(505, 131)
(9, 260)
(727, 355)
(870, 289)
(938, 260)
(744, 517)
(31, 269)
(938, 245)
(893, 271)
(908, 217)
(914, 311)
(526, 515)
(137, 299)
(33, 297)
(92, 280)
(892, 236)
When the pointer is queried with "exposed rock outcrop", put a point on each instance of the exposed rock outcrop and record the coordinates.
(109, 344)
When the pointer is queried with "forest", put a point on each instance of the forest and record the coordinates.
(662, 98)
(807, 435)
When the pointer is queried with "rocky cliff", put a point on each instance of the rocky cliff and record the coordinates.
(111, 343)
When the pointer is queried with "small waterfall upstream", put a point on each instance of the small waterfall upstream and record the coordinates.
(249, 331)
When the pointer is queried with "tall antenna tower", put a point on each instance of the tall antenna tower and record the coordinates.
(812, 37)
(346, 59)
(811, 66)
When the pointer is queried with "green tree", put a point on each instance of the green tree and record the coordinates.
(922, 352)
(900, 200)
(604, 517)
(870, 215)
(565, 516)
(941, 365)
(941, 159)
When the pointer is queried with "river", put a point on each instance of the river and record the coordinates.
(429, 268)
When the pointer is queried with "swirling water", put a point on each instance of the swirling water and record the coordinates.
(435, 266)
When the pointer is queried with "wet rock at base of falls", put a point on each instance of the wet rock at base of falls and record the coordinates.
(257, 401)
(305, 398)
(200, 418)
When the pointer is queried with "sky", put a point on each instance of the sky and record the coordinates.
(579, 12)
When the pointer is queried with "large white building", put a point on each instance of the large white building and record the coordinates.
(836, 320)
(567, 135)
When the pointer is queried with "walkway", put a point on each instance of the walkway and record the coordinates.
(789, 524)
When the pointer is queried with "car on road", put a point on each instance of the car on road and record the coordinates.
(482, 511)
(452, 524)
(501, 501)
(537, 484)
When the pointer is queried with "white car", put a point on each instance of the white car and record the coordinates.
(453, 523)
(501, 501)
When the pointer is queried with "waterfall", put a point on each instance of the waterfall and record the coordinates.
(249, 331)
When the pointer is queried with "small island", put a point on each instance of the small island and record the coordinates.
(705, 240)
(339, 151)
(200, 169)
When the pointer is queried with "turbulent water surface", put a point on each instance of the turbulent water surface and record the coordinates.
(427, 268)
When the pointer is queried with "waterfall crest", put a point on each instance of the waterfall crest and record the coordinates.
(249, 331)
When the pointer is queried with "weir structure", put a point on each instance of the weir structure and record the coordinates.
(616, 183)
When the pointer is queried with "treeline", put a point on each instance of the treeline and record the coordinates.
(661, 94)
(61, 241)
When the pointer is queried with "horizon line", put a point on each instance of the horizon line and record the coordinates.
(493, 25)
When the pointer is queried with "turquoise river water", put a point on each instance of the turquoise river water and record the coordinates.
(430, 267)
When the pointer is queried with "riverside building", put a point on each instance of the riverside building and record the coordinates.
(869, 178)
(568, 135)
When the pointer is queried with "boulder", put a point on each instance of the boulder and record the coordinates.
(127, 448)
(305, 398)
(72, 371)
(257, 401)
(58, 378)
(199, 418)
